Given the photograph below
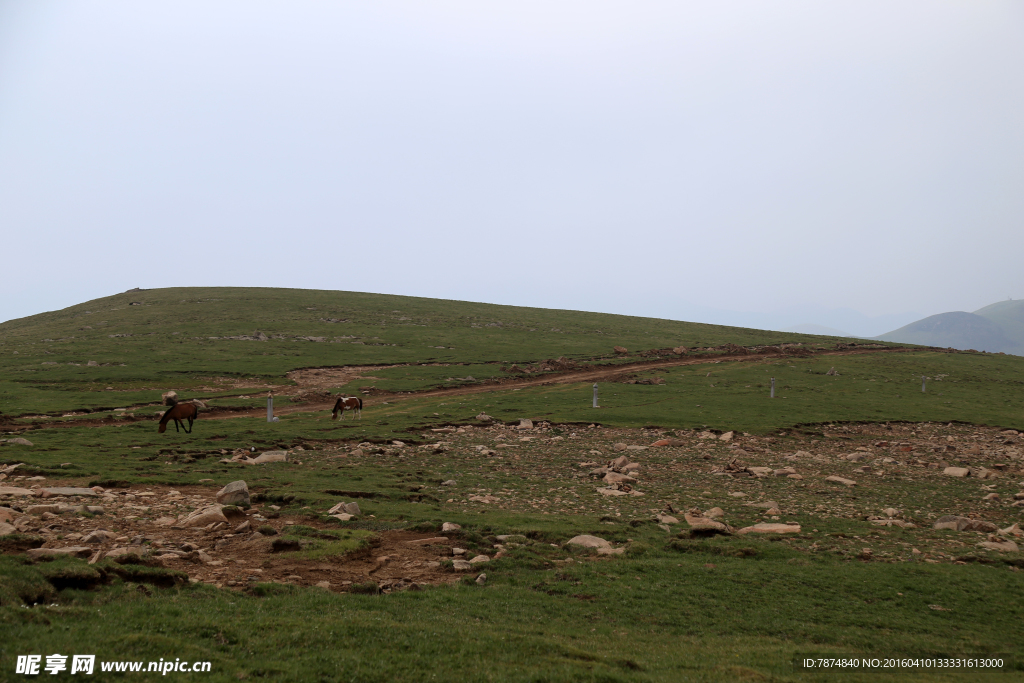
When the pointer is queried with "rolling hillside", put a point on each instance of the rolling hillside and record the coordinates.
(995, 328)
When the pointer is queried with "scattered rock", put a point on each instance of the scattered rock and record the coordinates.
(269, 456)
(703, 525)
(19, 441)
(616, 478)
(481, 580)
(450, 526)
(668, 442)
(40, 509)
(525, 423)
(484, 417)
(715, 513)
(461, 565)
(841, 480)
(957, 523)
(726, 437)
(620, 349)
(235, 493)
(619, 446)
(956, 471)
(587, 541)
(99, 536)
(479, 558)
(6, 529)
(209, 515)
(666, 519)
(1006, 546)
(169, 398)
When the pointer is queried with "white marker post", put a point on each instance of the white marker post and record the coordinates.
(924, 381)
(773, 388)
(270, 407)
(595, 394)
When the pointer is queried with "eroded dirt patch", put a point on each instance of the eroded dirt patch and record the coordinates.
(145, 522)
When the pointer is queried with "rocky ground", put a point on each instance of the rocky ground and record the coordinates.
(926, 492)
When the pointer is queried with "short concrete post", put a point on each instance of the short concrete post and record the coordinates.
(924, 381)
(595, 394)
(773, 388)
(270, 408)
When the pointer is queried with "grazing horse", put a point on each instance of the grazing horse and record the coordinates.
(343, 404)
(179, 412)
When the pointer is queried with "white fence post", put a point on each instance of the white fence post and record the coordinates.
(773, 388)
(595, 394)
(270, 408)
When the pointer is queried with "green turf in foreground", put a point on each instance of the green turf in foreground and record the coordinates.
(695, 613)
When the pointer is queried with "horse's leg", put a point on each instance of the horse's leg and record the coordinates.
(176, 424)
(189, 430)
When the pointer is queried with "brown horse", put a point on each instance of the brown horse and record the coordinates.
(343, 404)
(179, 412)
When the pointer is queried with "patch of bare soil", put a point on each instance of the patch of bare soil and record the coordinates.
(146, 522)
(320, 380)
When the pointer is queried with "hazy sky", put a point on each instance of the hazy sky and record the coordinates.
(770, 163)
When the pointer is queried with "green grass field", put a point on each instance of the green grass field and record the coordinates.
(672, 608)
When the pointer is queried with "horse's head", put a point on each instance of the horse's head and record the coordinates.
(163, 427)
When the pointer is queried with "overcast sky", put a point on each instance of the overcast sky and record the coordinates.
(771, 163)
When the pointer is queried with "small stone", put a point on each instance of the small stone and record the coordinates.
(616, 478)
(1006, 546)
(479, 558)
(956, 471)
(738, 494)
(841, 480)
(269, 456)
(618, 446)
(20, 441)
(235, 493)
(726, 437)
(99, 536)
(209, 515)
(66, 491)
(326, 585)
(481, 580)
(715, 513)
(450, 526)
(40, 509)
(461, 565)
(991, 496)
(525, 423)
(666, 519)
(587, 541)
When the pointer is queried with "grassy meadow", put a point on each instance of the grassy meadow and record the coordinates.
(670, 608)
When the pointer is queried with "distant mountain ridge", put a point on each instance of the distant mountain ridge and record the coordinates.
(996, 328)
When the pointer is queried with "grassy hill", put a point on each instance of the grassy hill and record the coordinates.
(998, 328)
(142, 342)
(672, 606)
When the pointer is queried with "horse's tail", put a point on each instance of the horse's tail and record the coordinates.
(360, 402)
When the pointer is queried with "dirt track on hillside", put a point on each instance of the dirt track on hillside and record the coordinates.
(583, 375)
(313, 381)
